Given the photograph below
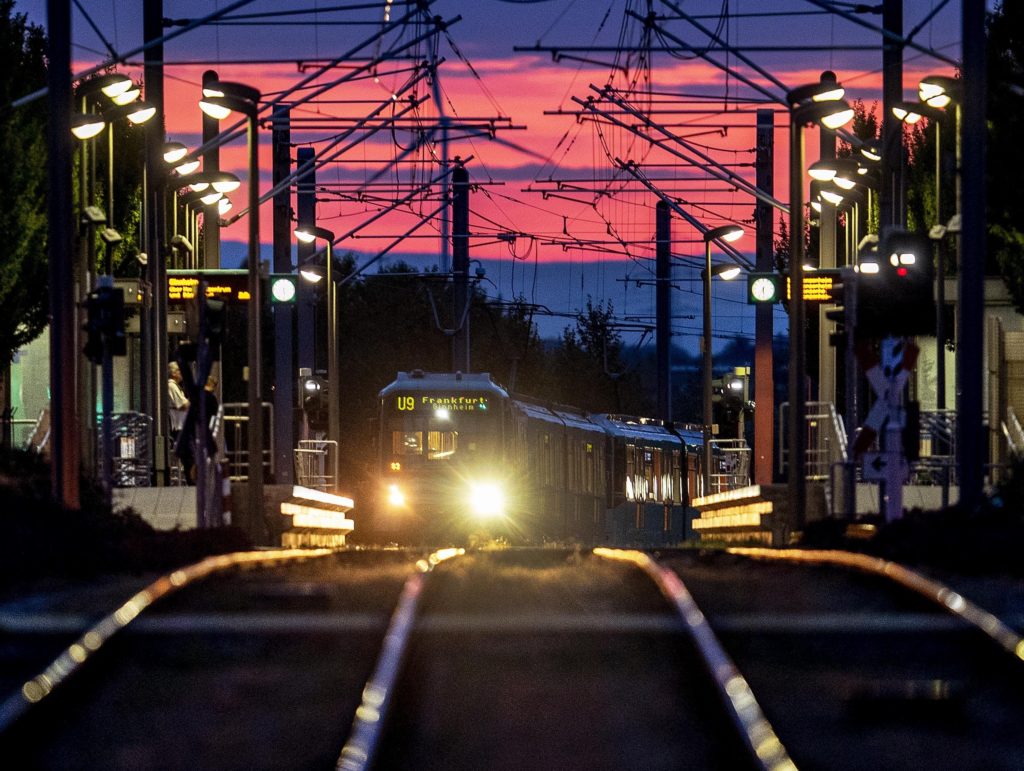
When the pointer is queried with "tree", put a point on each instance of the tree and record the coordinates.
(23, 224)
(1005, 152)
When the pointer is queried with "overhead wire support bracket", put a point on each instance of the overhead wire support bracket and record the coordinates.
(630, 167)
(701, 160)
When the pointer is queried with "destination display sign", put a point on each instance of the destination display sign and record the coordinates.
(231, 286)
(817, 285)
(437, 402)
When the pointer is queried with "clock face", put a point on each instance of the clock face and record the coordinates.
(763, 289)
(284, 290)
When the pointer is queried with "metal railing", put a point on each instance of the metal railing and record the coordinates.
(731, 464)
(132, 452)
(1014, 434)
(316, 463)
(826, 440)
(236, 439)
(937, 464)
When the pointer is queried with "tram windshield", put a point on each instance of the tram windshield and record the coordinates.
(427, 429)
(438, 445)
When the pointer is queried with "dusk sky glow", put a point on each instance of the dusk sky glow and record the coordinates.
(597, 240)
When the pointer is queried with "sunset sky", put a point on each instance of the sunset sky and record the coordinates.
(596, 242)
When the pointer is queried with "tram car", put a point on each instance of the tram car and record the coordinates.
(459, 455)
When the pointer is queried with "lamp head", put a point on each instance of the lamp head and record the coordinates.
(311, 273)
(307, 234)
(181, 242)
(86, 126)
(222, 97)
(174, 152)
(126, 97)
(939, 90)
(727, 233)
(871, 151)
(826, 90)
(831, 114)
(911, 112)
(110, 84)
(93, 215)
(110, 236)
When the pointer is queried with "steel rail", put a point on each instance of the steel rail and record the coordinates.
(936, 591)
(361, 747)
(758, 735)
(83, 649)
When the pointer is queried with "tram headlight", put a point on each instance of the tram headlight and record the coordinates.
(486, 499)
(395, 496)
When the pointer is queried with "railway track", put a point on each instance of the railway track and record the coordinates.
(861, 664)
(529, 659)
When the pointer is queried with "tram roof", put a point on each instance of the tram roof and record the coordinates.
(419, 381)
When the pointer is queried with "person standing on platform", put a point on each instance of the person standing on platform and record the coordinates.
(179, 403)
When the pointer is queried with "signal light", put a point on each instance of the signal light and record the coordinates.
(104, 324)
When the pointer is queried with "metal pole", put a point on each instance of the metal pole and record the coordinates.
(940, 281)
(64, 466)
(797, 336)
(970, 432)
(826, 354)
(850, 388)
(202, 429)
(156, 266)
(460, 268)
(663, 307)
(305, 213)
(211, 162)
(333, 380)
(890, 207)
(107, 391)
(706, 344)
(764, 384)
(256, 525)
(284, 313)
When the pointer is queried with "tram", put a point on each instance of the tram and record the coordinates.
(459, 455)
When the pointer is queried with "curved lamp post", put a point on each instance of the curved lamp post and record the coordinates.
(821, 103)
(727, 233)
(308, 235)
(220, 99)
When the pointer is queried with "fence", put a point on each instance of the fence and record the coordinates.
(826, 440)
(730, 464)
(133, 452)
(21, 433)
(316, 464)
(236, 439)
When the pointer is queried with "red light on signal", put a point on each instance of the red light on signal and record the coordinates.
(901, 271)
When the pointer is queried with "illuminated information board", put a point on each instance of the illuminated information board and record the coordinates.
(453, 402)
(231, 286)
(816, 286)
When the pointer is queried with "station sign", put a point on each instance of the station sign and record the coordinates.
(230, 286)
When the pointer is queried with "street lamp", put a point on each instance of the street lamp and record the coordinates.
(821, 103)
(307, 235)
(220, 99)
(727, 233)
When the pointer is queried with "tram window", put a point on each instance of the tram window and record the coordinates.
(407, 442)
(441, 444)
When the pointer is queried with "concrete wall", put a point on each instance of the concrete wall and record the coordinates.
(165, 508)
